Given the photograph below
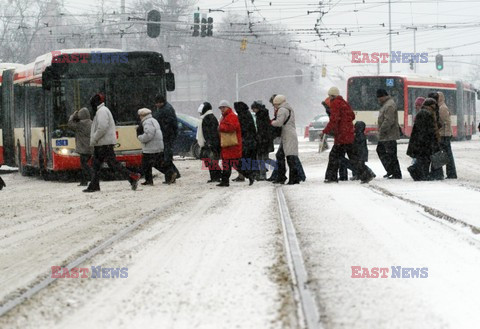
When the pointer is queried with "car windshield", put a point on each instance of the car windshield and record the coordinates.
(189, 119)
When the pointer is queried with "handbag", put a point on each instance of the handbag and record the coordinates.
(228, 139)
(439, 159)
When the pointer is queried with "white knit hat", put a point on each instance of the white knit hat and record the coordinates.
(224, 103)
(144, 111)
(279, 99)
(333, 91)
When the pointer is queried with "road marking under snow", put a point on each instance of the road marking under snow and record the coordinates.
(308, 310)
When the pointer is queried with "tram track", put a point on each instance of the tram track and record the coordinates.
(307, 309)
(45, 280)
(429, 212)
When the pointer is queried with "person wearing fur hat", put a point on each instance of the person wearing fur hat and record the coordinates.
(81, 124)
(103, 139)
(264, 137)
(388, 133)
(423, 141)
(209, 141)
(341, 125)
(231, 145)
(286, 120)
(152, 148)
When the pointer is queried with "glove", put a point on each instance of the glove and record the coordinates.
(139, 130)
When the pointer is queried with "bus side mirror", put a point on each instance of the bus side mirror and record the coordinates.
(170, 81)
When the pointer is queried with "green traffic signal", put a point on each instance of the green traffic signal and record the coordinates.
(439, 62)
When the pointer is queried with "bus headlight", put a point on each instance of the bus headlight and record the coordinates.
(64, 151)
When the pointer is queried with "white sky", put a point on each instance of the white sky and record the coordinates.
(364, 21)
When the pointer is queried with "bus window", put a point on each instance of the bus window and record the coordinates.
(362, 92)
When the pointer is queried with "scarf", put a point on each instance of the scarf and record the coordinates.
(200, 137)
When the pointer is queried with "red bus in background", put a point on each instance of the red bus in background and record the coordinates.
(38, 98)
(460, 98)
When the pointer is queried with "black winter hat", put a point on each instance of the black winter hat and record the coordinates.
(430, 102)
(433, 95)
(257, 105)
(206, 107)
(381, 92)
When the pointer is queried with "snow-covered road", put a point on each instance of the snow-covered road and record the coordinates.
(214, 258)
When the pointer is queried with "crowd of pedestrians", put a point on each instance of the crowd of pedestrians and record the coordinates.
(244, 138)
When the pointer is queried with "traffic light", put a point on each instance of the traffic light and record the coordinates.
(204, 27)
(153, 23)
(243, 46)
(196, 24)
(411, 64)
(210, 27)
(439, 62)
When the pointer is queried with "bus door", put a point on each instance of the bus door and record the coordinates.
(8, 118)
(27, 124)
(48, 123)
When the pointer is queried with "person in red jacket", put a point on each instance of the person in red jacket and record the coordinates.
(341, 125)
(231, 155)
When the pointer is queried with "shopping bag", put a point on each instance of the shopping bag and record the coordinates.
(228, 139)
(439, 159)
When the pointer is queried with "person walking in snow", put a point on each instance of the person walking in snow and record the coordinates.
(81, 124)
(388, 133)
(152, 148)
(446, 136)
(167, 118)
(231, 144)
(264, 137)
(103, 139)
(423, 141)
(341, 125)
(209, 141)
(249, 137)
(286, 120)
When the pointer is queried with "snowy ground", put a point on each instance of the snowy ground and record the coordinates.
(214, 258)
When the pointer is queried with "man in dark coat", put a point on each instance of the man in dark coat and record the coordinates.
(388, 133)
(436, 174)
(209, 141)
(249, 135)
(341, 125)
(166, 117)
(422, 141)
(264, 137)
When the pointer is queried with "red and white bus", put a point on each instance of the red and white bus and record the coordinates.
(459, 97)
(38, 98)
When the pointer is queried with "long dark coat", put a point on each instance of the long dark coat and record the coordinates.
(210, 133)
(360, 142)
(264, 132)
(167, 119)
(249, 132)
(423, 141)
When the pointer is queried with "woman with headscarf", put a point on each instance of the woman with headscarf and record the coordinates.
(209, 141)
(286, 120)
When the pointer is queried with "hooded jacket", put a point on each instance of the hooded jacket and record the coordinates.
(103, 127)
(341, 122)
(210, 129)
(444, 113)
(152, 138)
(422, 141)
(388, 128)
(81, 124)
(264, 132)
(167, 119)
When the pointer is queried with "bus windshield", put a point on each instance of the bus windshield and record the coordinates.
(362, 92)
(124, 96)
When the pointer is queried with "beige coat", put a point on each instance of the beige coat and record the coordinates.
(289, 134)
(445, 119)
(388, 128)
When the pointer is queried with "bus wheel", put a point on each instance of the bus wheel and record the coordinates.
(41, 163)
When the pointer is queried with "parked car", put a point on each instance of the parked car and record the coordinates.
(186, 142)
(315, 128)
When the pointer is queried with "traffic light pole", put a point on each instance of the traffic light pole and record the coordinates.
(237, 88)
